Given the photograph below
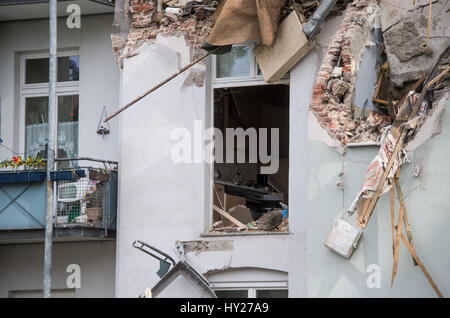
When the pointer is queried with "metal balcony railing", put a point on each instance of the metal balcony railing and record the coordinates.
(86, 196)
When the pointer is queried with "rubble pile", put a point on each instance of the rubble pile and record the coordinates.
(410, 47)
(333, 94)
(307, 7)
(193, 22)
(272, 221)
(192, 19)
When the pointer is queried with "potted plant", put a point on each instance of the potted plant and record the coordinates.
(33, 175)
(99, 175)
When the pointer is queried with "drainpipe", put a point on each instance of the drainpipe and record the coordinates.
(51, 149)
(318, 16)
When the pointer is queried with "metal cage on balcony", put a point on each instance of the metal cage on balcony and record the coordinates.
(86, 197)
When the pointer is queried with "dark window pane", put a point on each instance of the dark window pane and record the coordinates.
(272, 293)
(36, 71)
(68, 68)
(67, 108)
(231, 293)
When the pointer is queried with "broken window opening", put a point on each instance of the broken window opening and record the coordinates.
(251, 167)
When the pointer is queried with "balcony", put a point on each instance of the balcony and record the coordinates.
(85, 201)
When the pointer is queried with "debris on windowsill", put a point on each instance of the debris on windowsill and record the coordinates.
(271, 222)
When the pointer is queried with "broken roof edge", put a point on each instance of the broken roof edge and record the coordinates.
(179, 269)
(109, 3)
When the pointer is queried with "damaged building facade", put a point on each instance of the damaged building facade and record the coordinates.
(334, 98)
(336, 112)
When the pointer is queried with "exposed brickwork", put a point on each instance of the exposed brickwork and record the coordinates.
(146, 24)
(332, 101)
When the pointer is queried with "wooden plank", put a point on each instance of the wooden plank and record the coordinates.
(363, 219)
(230, 202)
(422, 267)
(229, 217)
(403, 114)
(381, 101)
(393, 218)
(437, 78)
(397, 243)
(377, 90)
(405, 215)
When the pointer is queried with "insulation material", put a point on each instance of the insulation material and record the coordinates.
(238, 21)
(289, 47)
(376, 169)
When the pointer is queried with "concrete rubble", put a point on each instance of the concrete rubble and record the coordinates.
(404, 25)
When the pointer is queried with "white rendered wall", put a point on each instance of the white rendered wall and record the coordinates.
(21, 267)
(99, 78)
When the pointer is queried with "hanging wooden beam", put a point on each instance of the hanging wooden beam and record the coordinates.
(402, 116)
(397, 243)
(393, 218)
(363, 219)
(405, 215)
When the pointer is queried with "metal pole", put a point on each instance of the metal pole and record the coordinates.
(51, 148)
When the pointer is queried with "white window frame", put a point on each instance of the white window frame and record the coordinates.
(41, 89)
(251, 287)
(239, 81)
(230, 82)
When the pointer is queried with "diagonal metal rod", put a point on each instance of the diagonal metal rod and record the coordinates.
(161, 84)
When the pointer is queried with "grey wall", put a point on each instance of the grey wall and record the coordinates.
(21, 267)
(427, 205)
(302, 79)
(99, 78)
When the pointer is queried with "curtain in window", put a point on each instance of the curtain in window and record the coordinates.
(36, 139)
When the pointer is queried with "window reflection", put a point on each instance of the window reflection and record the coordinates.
(36, 70)
(235, 63)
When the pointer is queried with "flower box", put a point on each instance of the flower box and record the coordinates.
(68, 175)
(22, 176)
(99, 175)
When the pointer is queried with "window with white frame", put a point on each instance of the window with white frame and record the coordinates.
(34, 90)
(242, 99)
(238, 67)
(251, 290)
